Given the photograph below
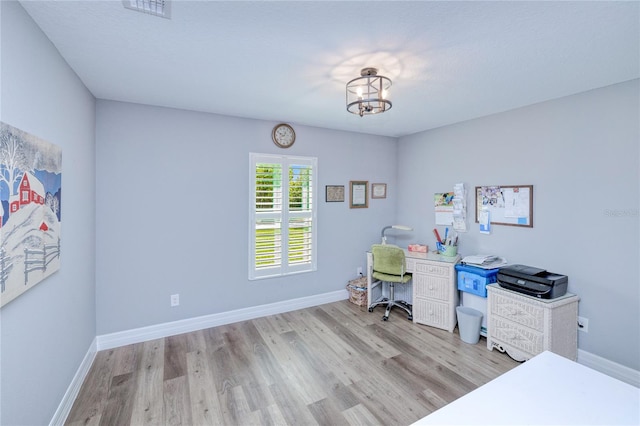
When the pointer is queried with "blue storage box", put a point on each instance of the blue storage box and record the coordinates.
(475, 280)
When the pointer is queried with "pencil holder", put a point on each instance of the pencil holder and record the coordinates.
(449, 251)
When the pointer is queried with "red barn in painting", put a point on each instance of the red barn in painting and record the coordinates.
(30, 191)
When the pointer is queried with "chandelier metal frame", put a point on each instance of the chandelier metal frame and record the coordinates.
(368, 94)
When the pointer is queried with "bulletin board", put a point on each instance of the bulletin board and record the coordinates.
(507, 204)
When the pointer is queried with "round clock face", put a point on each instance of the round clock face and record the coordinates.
(283, 135)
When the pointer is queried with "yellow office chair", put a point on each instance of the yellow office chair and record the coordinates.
(389, 266)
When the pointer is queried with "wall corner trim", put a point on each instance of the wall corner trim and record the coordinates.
(61, 414)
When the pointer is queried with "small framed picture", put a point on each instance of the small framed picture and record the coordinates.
(358, 197)
(378, 190)
(334, 193)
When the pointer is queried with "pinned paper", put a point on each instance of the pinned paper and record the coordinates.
(459, 208)
(443, 202)
(485, 221)
(516, 202)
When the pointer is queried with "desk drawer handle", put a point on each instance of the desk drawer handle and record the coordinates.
(515, 312)
(514, 337)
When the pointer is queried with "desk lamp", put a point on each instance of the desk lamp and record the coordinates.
(400, 227)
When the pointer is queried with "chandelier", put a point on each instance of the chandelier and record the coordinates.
(368, 93)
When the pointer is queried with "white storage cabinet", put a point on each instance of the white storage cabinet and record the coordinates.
(525, 326)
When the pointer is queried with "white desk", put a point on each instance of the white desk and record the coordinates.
(432, 291)
(546, 390)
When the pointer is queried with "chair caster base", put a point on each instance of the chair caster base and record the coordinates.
(410, 318)
(385, 318)
(370, 309)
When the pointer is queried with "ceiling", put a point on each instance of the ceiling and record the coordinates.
(289, 61)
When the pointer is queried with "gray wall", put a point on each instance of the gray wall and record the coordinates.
(47, 330)
(172, 212)
(581, 155)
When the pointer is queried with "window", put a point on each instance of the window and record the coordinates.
(282, 215)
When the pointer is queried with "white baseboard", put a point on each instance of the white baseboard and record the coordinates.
(610, 368)
(61, 414)
(143, 334)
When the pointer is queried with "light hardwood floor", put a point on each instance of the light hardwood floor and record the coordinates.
(334, 364)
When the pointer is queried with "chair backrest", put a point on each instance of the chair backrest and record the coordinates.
(388, 259)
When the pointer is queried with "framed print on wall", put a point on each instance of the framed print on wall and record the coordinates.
(378, 190)
(30, 206)
(358, 197)
(334, 193)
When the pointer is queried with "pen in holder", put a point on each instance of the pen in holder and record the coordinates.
(449, 247)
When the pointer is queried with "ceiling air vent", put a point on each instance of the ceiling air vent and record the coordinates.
(160, 8)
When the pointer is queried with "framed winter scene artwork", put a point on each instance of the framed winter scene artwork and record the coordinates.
(30, 204)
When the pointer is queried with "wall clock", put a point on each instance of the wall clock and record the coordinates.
(283, 135)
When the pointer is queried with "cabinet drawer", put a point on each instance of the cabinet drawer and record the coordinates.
(523, 338)
(528, 314)
(431, 269)
(431, 313)
(431, 287)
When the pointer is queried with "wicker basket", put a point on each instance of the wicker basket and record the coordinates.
(358, 291)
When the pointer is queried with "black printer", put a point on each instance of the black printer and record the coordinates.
(532, 281)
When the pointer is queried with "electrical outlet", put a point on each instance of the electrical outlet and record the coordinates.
(359, 270)
(583, 324)
(175, 300)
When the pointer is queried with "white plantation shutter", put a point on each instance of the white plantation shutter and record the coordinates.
(282, 215)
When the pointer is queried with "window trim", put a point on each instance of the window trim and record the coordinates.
(286, 161)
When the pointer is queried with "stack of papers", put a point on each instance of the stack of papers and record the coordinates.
(485, 261)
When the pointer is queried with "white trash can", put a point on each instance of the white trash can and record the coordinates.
(469, 324)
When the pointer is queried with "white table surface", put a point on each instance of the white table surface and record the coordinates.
(546, 390)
